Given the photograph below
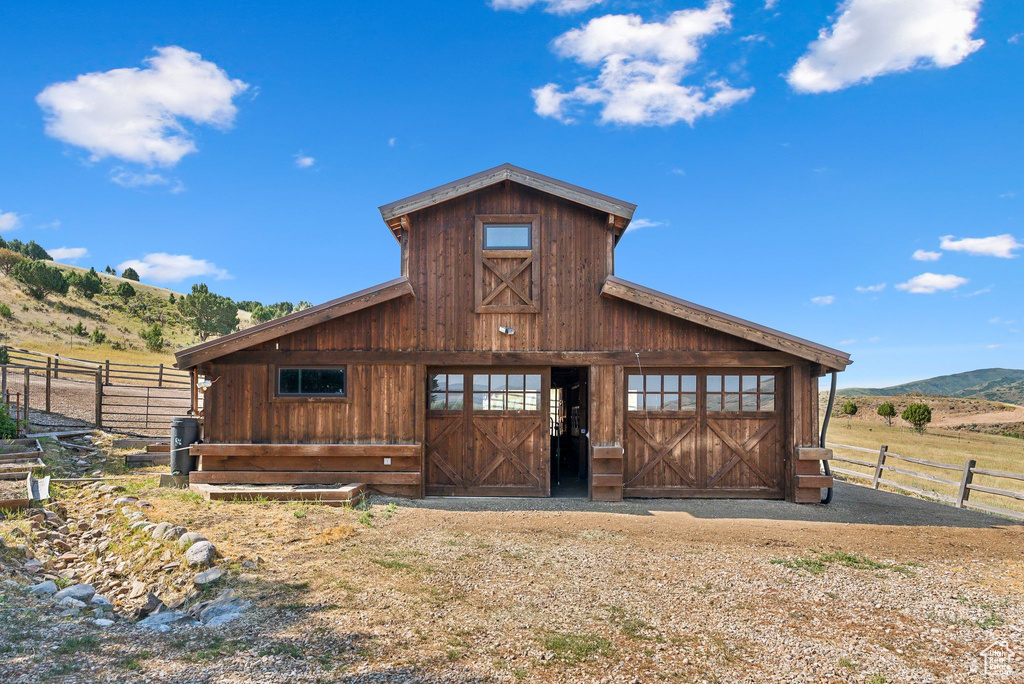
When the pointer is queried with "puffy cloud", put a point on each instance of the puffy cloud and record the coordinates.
(9, 221)
(1002, 246)
(68, 253)
(637, 224)
(641, 68)
(930, 283)
(870, 288)
(303, 161)
(875, 37)
(161, 267)
(551, 6)
(823, 300)
(925, 255)
(138, 114)
(127, 178)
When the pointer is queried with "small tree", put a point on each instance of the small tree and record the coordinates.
(87, 284)
(130, 274)
(34, 251)
(8, 260)
(849, 409)
(79, 330)
(98, 336)
(40, 279)
(125, 291)
(110, 271)
(154, 337)
(917, 415)
(4, 357)
(887, 411)
(171, 298)
(208, 313)
(5, 312)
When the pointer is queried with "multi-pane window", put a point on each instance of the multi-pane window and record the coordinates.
(662, 392)
(506, 392)
(311, 382)
(745, 393)
(446, 391)
(507, 235)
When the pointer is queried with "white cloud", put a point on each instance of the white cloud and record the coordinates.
(870, 288)
(9, 221)
(1002, 246)
(127, 178)
(303, 161)
(770, 4)
(161, 267)
(925, 255)
(843, 343)
(994, 346)
(930, 283)
(54, 224)
(138, 114)
(637, 224)
(551, 6)
(875, 37)
(68, 253)
(642, 65)
(984, 290)
(1015, 38)
(823, 300)
(874, 339)
(392, 142)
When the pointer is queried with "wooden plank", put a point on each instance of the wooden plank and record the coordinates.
(1017, 515)
(818, 481)
(998, 473)
(1019, 496)
(607, 452)
(851, 473)
(276, 463)
(292, 477)
(608, 480)
(333, 496)
(813, 454)
(920, 476)
(804, 495)
(308, 450)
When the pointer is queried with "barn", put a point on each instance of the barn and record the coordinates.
(508, 359)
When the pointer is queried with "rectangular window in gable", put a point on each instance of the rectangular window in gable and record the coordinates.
(507, 236)
(507, 263)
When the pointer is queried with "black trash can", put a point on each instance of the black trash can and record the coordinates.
(184, 432)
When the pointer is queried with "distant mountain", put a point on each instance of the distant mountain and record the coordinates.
(993, 384)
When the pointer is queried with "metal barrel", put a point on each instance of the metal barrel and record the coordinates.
(184, 433)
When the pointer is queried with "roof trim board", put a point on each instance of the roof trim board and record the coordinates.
(463, 186)
(769, 337)
(335, 308)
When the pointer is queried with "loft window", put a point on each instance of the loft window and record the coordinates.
(312, 382)
(508, 236)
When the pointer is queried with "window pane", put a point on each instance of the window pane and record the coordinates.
(507, 236)
(714, 383)
(455, 402)
(688, 383)
(479, 383)
(498, 382)
(732, 402)
(636, 383)
(479, 401)
(288, 381)
(670, 383)
(749, 402)
(714, 402)
(749, 383)
(671, 402)
(533, 383)
(516, 401)
(437, 382)
(438, 401)
(322, 381)
(653, 402)
(688, 402)
(515, 382)
(634, 401)
(455, 383)
(767, 383)
(767, 402)
(497, 401)
(533, 401)
(653, 383)
(732, 383)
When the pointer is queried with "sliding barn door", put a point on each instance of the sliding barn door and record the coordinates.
(704, 433)
(487, 432)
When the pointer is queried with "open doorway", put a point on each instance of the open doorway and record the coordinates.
(569, 430)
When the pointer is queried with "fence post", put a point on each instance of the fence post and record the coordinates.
(47, 384)
(107, 380)
(3, 383)
(99, 398)
(878, 467)
(27, 380)
(160, 377)
(56, 366)
(964, 493)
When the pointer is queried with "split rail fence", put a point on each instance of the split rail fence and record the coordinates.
(948, 483)
(123, 397)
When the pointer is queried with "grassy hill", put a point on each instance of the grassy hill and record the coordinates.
(992, 384)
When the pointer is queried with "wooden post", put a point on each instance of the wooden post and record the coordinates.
(56, 366)
(106, 380)
(3, 383)
(47, 384)
(194, 378)
(99, 398)
(878, 468)
(964, 493)
(27, 379)
(160, 377)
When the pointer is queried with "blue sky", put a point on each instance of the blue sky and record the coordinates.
(777, 169)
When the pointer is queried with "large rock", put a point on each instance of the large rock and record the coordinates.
(223, 609)
(201, 554)
(162, 622)
(173, 533)
(189, 538)
(158, 531)
(208, 577)
(82, 592)
(47, 588)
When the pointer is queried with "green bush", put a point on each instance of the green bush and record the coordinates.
(125, 291)
(887, 411)
(40, 279)
(4, 358)
(87, 284)
(79, 330)
(8, 426)
(917, 415)
(154, 337)
(130, 274)
(98, 336)
(30, 250)
(5, 311)
(849, 408)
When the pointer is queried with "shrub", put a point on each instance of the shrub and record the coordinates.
(171, 298)
(79, 330)
(261, 314)
(87, 284)
(98, 336)
(5, 311)
(918, 415)
(125, 291)
(130, 274)
(8, 426)
(887, 411)
(40, 279)
(849, 408)
(8, 260)
(4, 358)
(30, 251)
(154, 337)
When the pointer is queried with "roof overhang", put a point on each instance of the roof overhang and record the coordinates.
(395, 213)
(829, 358)
(193, 356)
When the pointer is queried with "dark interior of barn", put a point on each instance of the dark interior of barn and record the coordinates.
(568, 430)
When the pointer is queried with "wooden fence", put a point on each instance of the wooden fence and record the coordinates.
(132, 398)
(956, 483)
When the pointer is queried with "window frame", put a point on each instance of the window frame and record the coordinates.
(529, 236)
(702, 393)
(468, 372)
(277, 395)
(532, 255)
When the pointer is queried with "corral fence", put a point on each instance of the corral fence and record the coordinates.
(945, 482)
(123, 397)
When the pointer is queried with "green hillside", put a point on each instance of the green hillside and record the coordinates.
(993, 384)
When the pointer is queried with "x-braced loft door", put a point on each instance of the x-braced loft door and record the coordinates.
(704, 433)
(487, 432)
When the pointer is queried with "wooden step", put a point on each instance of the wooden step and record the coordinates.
(346, 495)
(818, 481)
(158, 448)
(813, 454)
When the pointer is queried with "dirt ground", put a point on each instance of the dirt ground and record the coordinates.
(875, 588)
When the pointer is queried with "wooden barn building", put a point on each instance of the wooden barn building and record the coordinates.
(508, 359)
